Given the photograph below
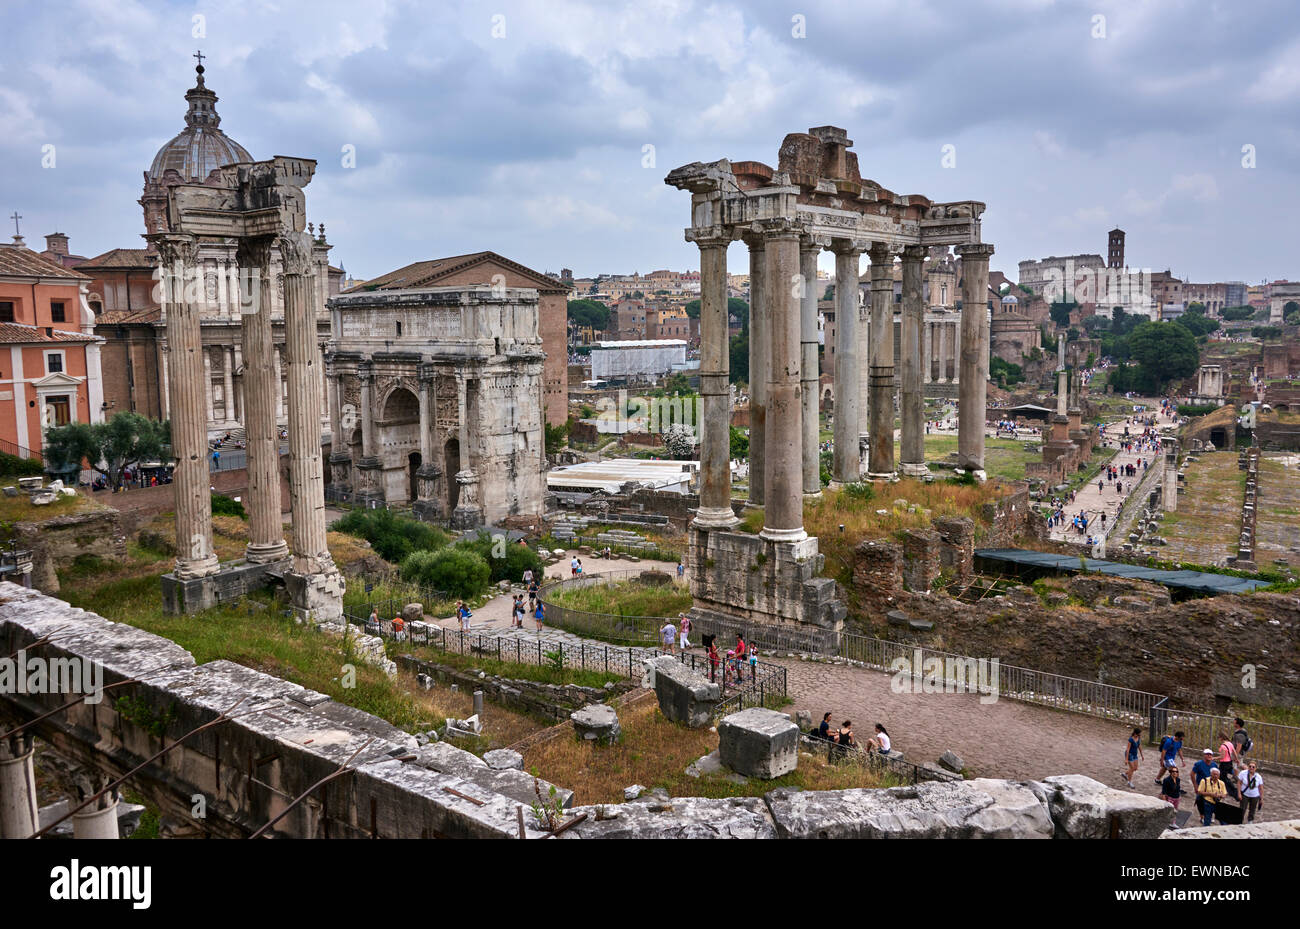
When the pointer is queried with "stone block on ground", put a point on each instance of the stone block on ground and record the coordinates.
(705, 764)
(759, 743)
(684, 696)
(596, 722)
(1083, 808)
(929, 810)
(1282, 829)
(631, 793)
(678, 818)
(510, 782)
(504, 759)
(413, 612)
(952, 761)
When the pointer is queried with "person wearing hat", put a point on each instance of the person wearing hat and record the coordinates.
(1211, 791)
(1200, 772)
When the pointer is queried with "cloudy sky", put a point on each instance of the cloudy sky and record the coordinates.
(523, 127)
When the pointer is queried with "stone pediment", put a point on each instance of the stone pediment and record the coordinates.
(56, 380)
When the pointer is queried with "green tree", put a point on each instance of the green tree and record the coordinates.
(1005, 373)
(590, 313)
(739, 361)
(556, 436)
(739, 443)
(1060, 310)
(1164, 351)
(458, 571)
(638, 295)
(1291, 313)
(735, 308)
(109, 448)
(677, 384)
(1197, 323)
(1234, 313)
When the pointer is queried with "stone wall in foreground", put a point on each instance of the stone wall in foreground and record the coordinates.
(279, 739)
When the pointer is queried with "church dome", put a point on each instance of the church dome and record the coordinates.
(201, 147)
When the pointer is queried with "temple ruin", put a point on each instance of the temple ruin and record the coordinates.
(815, 199)
(260, 206)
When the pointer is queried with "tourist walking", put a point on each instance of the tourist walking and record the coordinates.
(1171, 752)
(1251, 786)
(1227, 755)
(573, 566)
(1171, 788)
(1200, 772)
(668, 637)
(684, 630)
(528, 576)
(463, 614)
(1132, 754)
(539, 615)
(1241, 739)
(713, 659)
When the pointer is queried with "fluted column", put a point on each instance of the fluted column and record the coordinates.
(808, 369)
(847, 461)
(337, 443)
(311, 556)
(228, 384)
(715, 391)
(279, 382)
(366, 377)
(864, 376)
(881, 457)
(912, 403)
(783, 485)
(759, 329)
(187, 400)
(18, 811)
(265, 524)
(207, 383)
(927, 352)
(974, 356)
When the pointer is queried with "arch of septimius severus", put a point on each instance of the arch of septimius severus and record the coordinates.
(260, 206)
(815, 199)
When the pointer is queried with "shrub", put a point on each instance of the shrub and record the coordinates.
(227, 506)
(1188, 409)
(392, 536)
(20, 467)
(511, 565)
(456, 570)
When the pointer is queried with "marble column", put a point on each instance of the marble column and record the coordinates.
(881, 457)
(279, 381)
(974, 356)
(18, 810)
(426, 416)
(783, 484)
(847, 462)
(715, 440)
(239, 382)
(864, 377)
(187, 400)
(759, 330)
(265, 524)
(317, 592)
(912, 403)
(228, 384)
(942, 331)
(366, 378)
(207, 384)
(337, 442)
(927, 352)
(809, 379)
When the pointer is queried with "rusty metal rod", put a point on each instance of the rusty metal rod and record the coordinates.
(342, 769)
(81, 699)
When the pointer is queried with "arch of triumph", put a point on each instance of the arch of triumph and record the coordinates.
(815, 199)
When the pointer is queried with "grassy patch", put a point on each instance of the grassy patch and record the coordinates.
(518, 670)
(655, 752)
(624, 598)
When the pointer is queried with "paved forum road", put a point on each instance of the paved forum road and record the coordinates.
(1007, 739)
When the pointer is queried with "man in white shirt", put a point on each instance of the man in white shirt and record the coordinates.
(1252, 786)
(668, 637)
(573, 566)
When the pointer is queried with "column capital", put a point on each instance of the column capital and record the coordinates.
(426, 372)
(974, 250)
(882, 253)
(365, 370)
(780, 227)
(172, 247)
(914, 252)
(296, 253)
(254, 251)
(848, 246)
(710, 236)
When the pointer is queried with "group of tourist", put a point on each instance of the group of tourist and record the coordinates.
(879, 742)
(1219, 775)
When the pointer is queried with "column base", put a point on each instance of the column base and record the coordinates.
(979, 473)
(813, 495)
(184, 595)
(882, 475)
(189, 569)
(266, 553)
(316, 598)
(715, 518)
(783, 535)
(430, 511)
(467, 517)
(913, 469)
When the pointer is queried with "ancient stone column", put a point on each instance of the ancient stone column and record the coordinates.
(320, 597)
(1062, 379)
(426, 415)
(847, 462)
(365, 376)
(265, 525)
(207, 384)
(927, 352)
(974, 356)
(783, 484)
(336, 416)
(945, 341)
(228, 384)
(187, 400)
(809, 378)
(279, 382)
(881, 460)
(912, 401)
(18, 811)
(759, 328)
(715, 429)
(864, 377)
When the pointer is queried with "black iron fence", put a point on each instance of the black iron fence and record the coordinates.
(887, 766)
(1273, 746)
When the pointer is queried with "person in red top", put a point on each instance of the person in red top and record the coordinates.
(713, 660)
(399, 625)
(738, 655)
